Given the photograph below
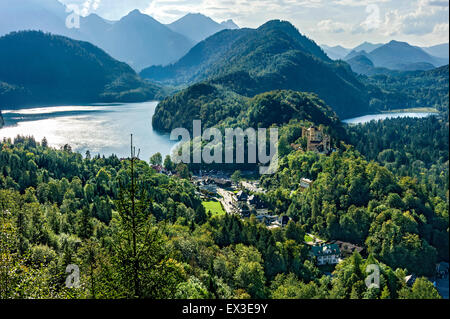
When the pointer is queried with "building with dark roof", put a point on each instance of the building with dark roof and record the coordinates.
(241, 196)
(328, 254)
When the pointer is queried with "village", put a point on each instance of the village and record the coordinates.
(222, 194)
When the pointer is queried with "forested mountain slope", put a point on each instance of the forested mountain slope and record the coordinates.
(38, 68)
(274, 56)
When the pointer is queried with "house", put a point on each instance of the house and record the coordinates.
(328, 254)
(305, 183)
(256, 202)
(241, 196)
(317, 140)
(224, 183)
(347, 249)
(243, 209)
(268, 219)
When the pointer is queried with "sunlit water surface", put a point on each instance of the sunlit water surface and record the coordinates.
(101, 129)
(377, 117)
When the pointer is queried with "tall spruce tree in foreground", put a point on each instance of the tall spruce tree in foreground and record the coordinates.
(145, 270)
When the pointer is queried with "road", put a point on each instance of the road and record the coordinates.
(251, 187)
(227, 200)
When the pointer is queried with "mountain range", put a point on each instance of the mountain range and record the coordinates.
(198, 27)
(137, 39)
(340, 52)
(394, 55)
(38, 68)
(275, 56)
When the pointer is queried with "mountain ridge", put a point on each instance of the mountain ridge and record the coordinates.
(275, 56)
(439, 54)
(198, 27)
(137, 39)
(40, 68)
(395, 55)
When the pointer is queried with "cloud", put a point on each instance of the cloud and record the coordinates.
(421, 19)
(358, 3)
(323, 20)
(332, 26)
(249, 12)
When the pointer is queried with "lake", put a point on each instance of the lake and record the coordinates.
(102, 129)
(383, 116)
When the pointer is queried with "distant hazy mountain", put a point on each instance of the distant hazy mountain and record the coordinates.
(361, 64)
(440, 50)
(45, 15)
(136, 39)
(354, 53)
(38, 68)
(367, 46)
(274, 56)
(394, 55)
(335, 53)
(198, 27)
(229, 24)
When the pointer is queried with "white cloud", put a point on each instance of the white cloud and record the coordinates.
(358, 3)
(419, 21)
(345, 22)
(332, 26)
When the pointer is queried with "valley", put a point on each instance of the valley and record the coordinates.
(357, 179)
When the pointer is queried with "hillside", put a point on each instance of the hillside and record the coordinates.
(399, 90)
(38, 68)
(274, 56)
(136, 39)
(229, 49)
(361, 64)
(46, 15)
(215, 106)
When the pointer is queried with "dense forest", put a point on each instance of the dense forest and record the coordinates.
(38, 68)
(276, 56)
(136, 233)
(218, 107)
(408, 147)
(401, 90)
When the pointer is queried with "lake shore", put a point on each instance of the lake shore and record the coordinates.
(383, 116)
(413, 110)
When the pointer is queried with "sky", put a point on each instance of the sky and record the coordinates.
(332, 22)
